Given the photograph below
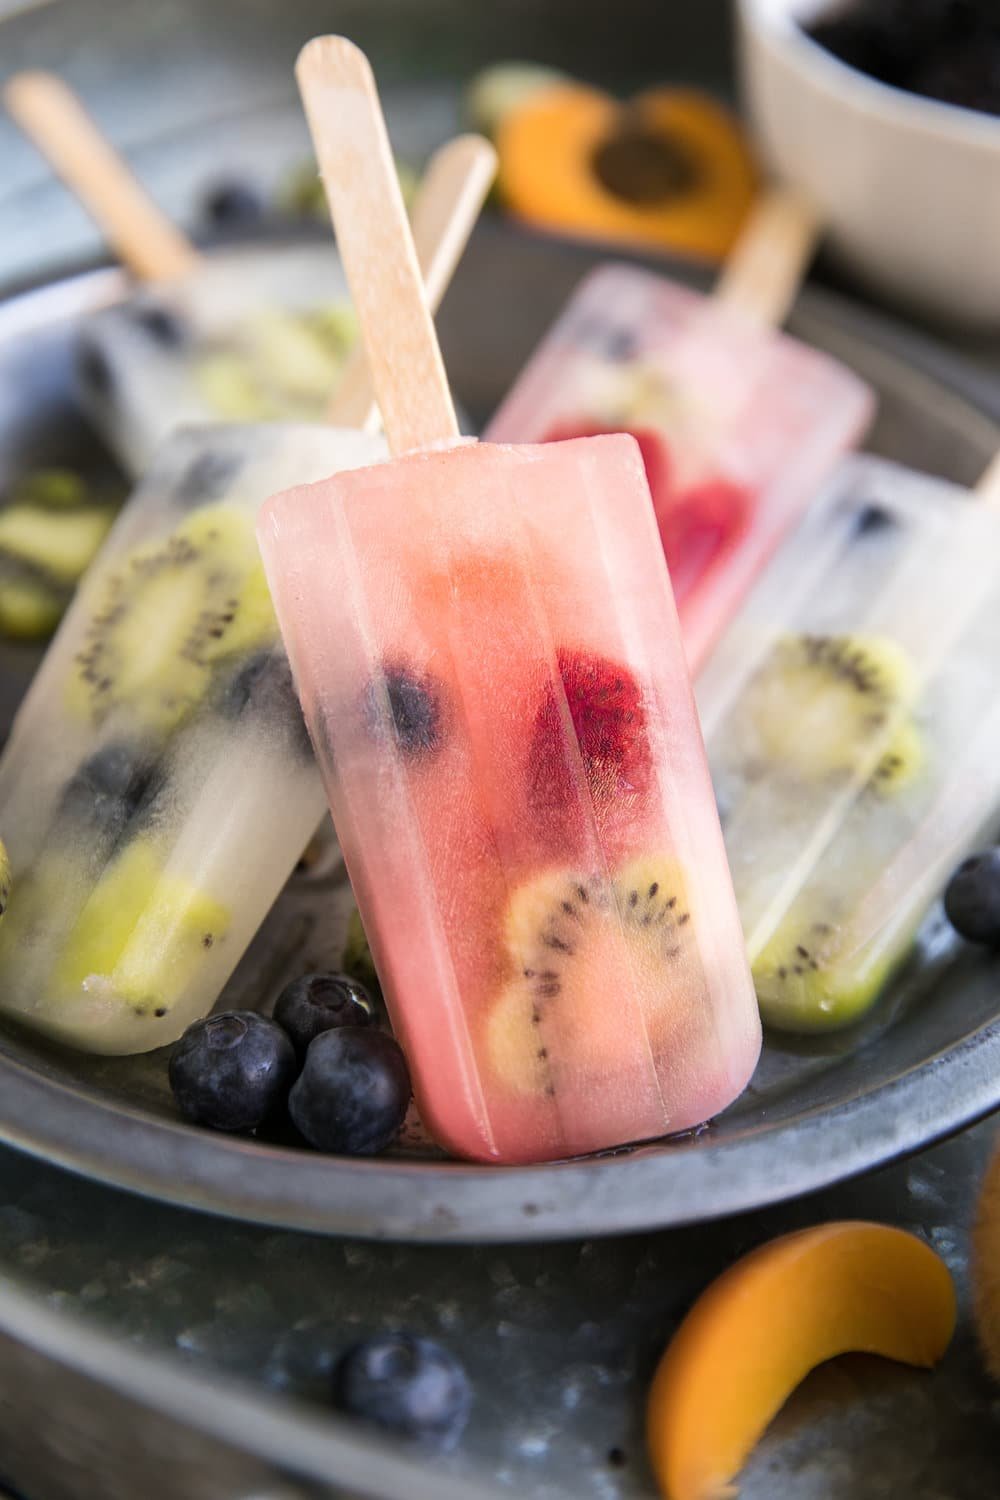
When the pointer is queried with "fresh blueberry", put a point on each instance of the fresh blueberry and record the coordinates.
(264, 686)
(232, 1071)
(207, 477)
(163, 325)
(109, 788)
(873, 517)
(232, 204)
(93, 368)
(972, 898)
(414, 709)
(353, 1092)
(408, 1385)
(321, 1002)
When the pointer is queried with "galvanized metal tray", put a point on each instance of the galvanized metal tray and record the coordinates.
(927, 1063)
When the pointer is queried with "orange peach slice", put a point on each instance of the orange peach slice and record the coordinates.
(763, 1325)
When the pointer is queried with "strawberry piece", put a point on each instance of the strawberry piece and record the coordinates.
(605, 708)
(698, 525)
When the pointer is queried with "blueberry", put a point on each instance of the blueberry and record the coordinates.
(414, 709)
(163, 325)
(232, 203)
(408, 1385)
(353, 1092)
(232, 1071)
(972, 899)
(873, 517)
(93, 368)
(109, 788)
(264, 686)
(207, 477)
(321, 1002)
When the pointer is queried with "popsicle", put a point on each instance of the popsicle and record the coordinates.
(852, 715)
(158, 785)
(488, 657)
(738, 425)
(254, 334)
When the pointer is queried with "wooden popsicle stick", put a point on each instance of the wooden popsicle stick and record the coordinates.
(376, 246)
(447, 204)
(763, 274)
(53, 118)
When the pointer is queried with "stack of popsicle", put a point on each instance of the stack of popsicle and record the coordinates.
(494, 682)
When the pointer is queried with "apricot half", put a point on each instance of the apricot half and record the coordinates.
(763, 1325)
(670, 169)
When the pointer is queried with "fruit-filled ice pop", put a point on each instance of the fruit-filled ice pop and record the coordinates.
(738, 425)
(158, 786)
(257, 334)
(487, 652)
(852, 716)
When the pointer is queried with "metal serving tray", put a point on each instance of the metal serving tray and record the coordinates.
(927, 1063)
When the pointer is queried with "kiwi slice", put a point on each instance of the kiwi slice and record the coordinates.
(30, 606)
(820, 703)
(141, 935)
(50, 489)
(805, 985)
(280, 363)
(902, 760)
(59, 543)
(166, 615)
(571, 939)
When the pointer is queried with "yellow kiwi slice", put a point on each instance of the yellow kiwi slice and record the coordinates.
(61, 544)
(30, 608)
(902, 760)
(166, 614)
(141, 935)
(573, 940)
(805, 983)
(819, 704)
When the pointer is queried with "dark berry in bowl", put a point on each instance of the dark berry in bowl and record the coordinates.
(353, 1092)
(321, 1002)
(972, 899)
(232, 1071)
(407, 1385)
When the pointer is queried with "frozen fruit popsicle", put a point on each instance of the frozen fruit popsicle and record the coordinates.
(159, 786)
(852, 714)
(738, 425)
(487, 652)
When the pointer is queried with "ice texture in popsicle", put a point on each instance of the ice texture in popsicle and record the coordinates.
(158, 785)
(254, 335)
(852, 717)
(489, 660)
(738, 426)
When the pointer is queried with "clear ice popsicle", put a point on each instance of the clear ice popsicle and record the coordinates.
(486, 648)
(158, 785)
(852, 717)
(255, 335)
(738, 425)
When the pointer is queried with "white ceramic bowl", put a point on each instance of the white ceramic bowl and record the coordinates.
(910, 188)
